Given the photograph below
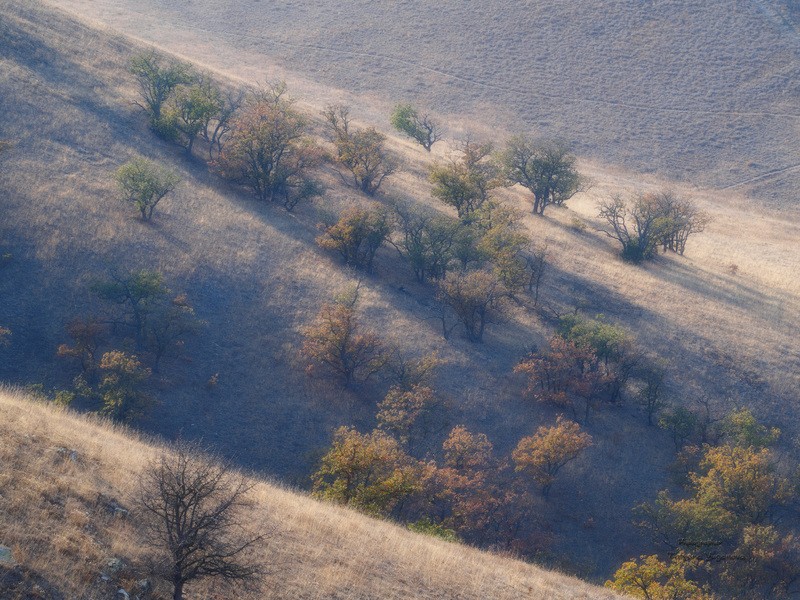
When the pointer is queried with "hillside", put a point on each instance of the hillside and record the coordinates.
(699, 92)
(256, 277)
(61, 471)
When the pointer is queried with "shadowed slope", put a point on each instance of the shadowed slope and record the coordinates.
(61, 473)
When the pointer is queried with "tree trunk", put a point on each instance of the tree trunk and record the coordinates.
(177, 587)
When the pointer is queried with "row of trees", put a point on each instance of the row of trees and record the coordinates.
(468, 493)
(270, 151)
(475, 264)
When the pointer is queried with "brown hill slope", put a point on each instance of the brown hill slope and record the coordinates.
(256, 277)
(61, 472)
(703, 92)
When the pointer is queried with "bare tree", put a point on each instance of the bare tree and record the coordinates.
(193, 504)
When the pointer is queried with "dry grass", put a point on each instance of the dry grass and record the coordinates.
(704, 92)
(254, 274)
(57, 464)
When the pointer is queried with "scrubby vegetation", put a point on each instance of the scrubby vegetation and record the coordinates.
(477, 389)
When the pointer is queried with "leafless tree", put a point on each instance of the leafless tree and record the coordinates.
(193, 507)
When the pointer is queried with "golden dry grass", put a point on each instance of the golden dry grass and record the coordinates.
(53, 518)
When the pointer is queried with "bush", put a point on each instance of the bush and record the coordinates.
(362, 152)
(144, 184)
(421, 128)
(357, 235)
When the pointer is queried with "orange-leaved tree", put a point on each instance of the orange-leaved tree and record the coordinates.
(337, 342)
(543, 454)
(357, 235)
(268, 150)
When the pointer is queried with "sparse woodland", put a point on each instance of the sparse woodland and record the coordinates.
(724, 524)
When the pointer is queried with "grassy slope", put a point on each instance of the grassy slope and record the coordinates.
(254, 274)
(704, 92)
(54, 516)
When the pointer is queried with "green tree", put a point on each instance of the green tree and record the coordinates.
(681, 423)
(122, 378)
(193, 107)
(651, 395)
(742, 429)
(268, 150)
(684, 219)
(547, 169)
(426, 241)
(465, 183)
(366, 471)
(158, 320)
(218, 128)
(157, 81)
(505, 244)
(362, 152)
(144, 184)
(612, 345)
(422, 128)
